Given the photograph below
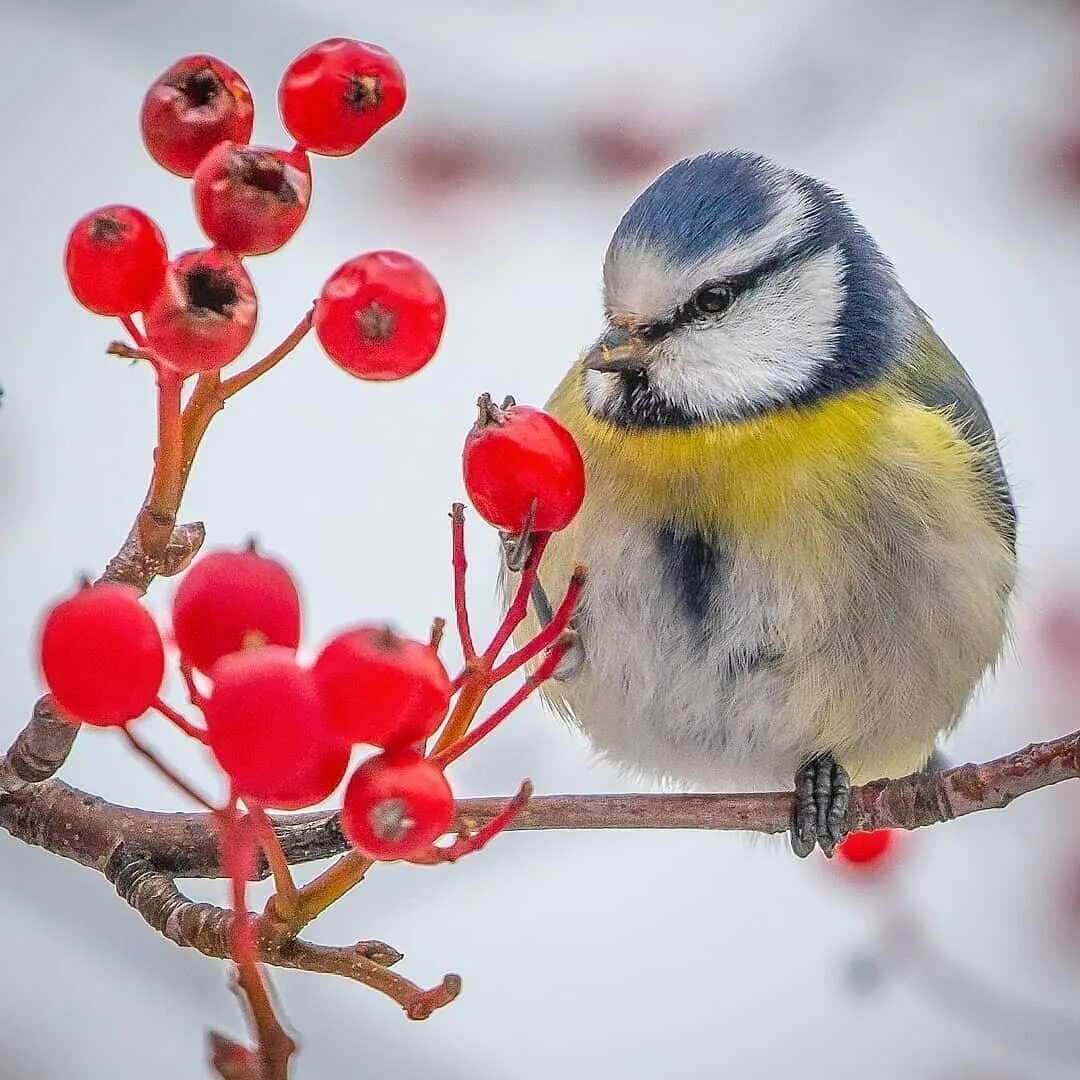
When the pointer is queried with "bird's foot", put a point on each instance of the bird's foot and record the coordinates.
(822, 788)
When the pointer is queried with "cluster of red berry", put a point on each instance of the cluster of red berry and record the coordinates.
(283, 732)
(379, 315)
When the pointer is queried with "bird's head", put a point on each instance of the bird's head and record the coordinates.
(733, 287)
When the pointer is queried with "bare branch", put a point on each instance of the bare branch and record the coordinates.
(79, 826)
(206, 928)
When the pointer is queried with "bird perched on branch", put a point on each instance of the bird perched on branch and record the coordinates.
(799, 536)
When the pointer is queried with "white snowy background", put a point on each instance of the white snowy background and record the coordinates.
(586, 955)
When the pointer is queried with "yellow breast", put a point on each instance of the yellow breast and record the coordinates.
(792, 470)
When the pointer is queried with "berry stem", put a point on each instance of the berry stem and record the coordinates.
(210, 393)
(461, 610)
(174, 778)
(444, 756)
(195, 695)
(157, 519)
(274, 1047)
(136, 334)
(203, 405)
(549, 634)
(318, 894)
(181, 721)
(284, 904)
(470, 840)
(474, 685)
(519, 607)
(249, 375)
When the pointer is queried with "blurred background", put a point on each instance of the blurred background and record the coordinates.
(953, 127)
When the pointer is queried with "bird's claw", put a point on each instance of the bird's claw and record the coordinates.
(822, 789)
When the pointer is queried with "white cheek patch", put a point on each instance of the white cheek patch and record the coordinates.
(764, 350)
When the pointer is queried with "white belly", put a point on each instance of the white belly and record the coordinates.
(702, 668)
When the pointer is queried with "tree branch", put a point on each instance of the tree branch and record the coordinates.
(83, 827)
(206, 928)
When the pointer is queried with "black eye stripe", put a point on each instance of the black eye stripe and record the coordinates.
(688, 312)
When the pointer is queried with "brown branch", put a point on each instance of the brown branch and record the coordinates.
(206, 928)
(78, 826)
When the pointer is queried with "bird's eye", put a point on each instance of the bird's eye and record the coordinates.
(712, 298)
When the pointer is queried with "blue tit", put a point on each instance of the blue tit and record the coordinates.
(799, 537)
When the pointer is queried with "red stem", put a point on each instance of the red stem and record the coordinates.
(541, 674)
(461, 610)
(194, 693)
(467, 844)
(181, 721)
(549, 634)
(175, 779)
(136, 334)
(517, 610)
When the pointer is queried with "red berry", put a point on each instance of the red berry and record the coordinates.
(380, 315)
(266, 725)
(102, 656)
(516, 456)
(196, 104)
(382, 689)
(334, 96)
(232, 599)
(204, 313)
(115, 260)
(867, 850)
(397, 805)
(250, 200)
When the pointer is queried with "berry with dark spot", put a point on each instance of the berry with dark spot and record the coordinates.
(115, 260)
(334, 96)
(380, 316)
(396, 806)
(249, 200)
(194, 105)
(204, 313)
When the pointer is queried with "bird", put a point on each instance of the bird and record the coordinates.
(799, 537)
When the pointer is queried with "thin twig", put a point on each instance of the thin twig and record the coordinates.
(206, 928)
(460, 565)
(166, 771)
(180, 721)
(487, 726)
(275, 356)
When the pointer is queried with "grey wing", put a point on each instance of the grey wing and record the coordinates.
(934, 377)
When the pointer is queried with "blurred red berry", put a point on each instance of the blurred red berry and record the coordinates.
(101, 655)
(199, 102)
(229, 599)
(440, 160)
(867, 850)
(204, 313)
(516, 456)
(396, 806)
(628, 147)
(250, 200)
(334, 96)
(266, 725)
(380, 315)
(115, 260)
(1059, 632)
(381, 688)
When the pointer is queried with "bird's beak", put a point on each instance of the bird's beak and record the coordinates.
(616, 351)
